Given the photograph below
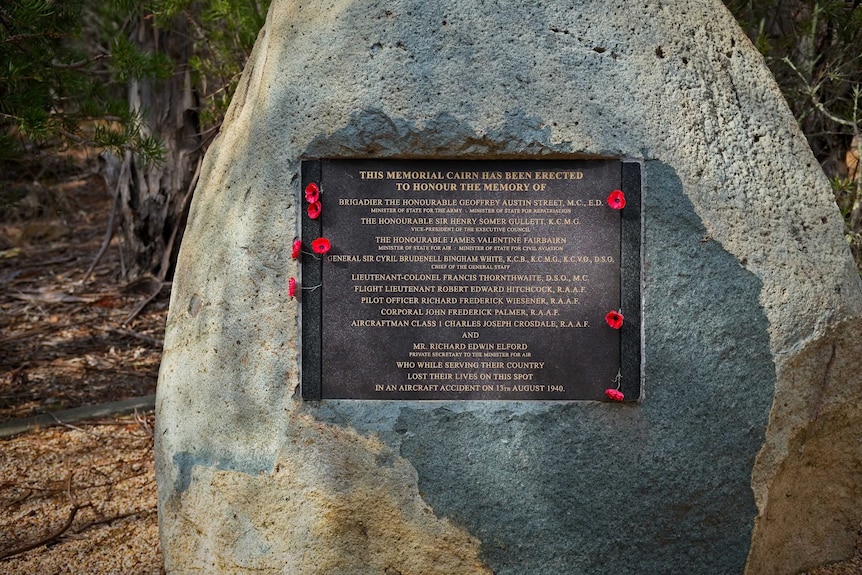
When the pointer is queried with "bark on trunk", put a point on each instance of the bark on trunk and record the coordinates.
(153, 197)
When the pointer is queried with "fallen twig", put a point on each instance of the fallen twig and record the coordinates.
(146, 302)
(54, 535)
(143, 423)
(68, 425)
(141, 336)
(45, 540)
(43, 329)
(51, 297)
(141, 513)
(23, 497)
(38, 264)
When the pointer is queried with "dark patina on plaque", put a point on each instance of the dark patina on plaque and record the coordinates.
(471, 280)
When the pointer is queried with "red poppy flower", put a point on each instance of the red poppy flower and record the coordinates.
(617, 200)
(614, 394)
(614, 319)
(312, 193)
(291, 287)
(297, 249)
(321, 246)
(314, 210)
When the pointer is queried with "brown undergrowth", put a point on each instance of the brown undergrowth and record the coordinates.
(80, 499)
(77, 498)
(68, 339)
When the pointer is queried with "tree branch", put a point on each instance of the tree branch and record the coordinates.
(79, 64)
(109, 232)
(811, 91)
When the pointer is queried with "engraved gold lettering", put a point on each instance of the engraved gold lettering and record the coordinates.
(489, 265)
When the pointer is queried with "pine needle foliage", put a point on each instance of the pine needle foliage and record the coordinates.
(64, 67)
(56, 90)
(224, 32)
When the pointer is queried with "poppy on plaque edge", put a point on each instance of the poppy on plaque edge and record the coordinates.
(312, 193)
(617, 200)
(314, 210)
(614, 319)
(321, 246)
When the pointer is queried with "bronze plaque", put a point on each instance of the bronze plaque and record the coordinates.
(447, 280)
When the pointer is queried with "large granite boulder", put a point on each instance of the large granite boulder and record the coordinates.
(743, 455)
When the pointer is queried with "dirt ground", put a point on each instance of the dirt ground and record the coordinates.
(84, 492)
(66, 342)
(81, 497)
(80, 500)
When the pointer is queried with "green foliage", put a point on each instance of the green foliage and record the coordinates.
(36, 66)
(56, 90)
(116, 137)
(128, 62)
(64, 67)
(224, 32)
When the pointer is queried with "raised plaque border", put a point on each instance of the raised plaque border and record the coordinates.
(631, 278)
(310, 293)
(310, 273)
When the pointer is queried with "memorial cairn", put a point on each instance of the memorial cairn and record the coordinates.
(515, 289)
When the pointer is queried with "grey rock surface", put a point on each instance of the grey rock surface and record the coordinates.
(750, 306)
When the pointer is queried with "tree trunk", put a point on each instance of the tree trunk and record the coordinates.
(154, 197)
